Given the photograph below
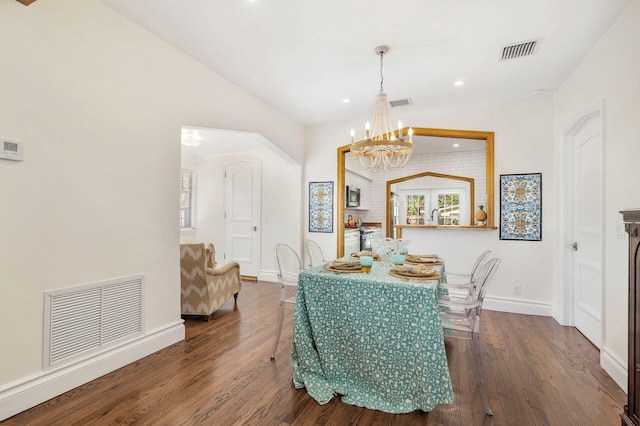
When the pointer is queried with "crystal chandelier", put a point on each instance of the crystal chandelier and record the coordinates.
(384, 149)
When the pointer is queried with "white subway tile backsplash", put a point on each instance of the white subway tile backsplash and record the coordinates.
(468, 164)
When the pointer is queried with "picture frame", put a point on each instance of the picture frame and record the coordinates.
(521, 207)
(321, 206)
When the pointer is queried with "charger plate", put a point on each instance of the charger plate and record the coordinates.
(330, 268)
(422, 260)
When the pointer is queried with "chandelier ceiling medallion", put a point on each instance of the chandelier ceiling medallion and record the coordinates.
(382, 147)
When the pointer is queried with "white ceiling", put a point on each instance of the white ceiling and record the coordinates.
(220, 142)
(304, 57)
(431, 144)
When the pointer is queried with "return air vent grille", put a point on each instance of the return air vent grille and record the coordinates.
(519, 50)
(400, 102)
(83, 320)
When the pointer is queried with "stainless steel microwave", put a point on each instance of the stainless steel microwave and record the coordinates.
(353, 196)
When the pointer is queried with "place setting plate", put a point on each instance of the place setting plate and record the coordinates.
(414, 273)
(423, 259)
(341, 266)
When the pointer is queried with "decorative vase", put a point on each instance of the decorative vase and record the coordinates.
(481, 216)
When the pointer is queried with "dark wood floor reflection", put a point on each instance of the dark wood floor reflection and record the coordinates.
(538, 373)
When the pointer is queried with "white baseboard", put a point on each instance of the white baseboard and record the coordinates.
(614, 367)
(28, 392)
(555, 313)
(513, 306)
(269, 276)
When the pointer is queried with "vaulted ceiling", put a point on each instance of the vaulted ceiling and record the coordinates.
(304, 57)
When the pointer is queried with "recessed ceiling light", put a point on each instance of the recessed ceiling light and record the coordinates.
(190, 137)
(458, 83)
(537, 92)
(346, 100)
(455, 145)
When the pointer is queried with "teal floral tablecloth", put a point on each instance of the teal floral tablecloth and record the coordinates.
(374, 339)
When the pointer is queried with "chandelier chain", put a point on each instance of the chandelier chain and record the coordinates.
(381, 76)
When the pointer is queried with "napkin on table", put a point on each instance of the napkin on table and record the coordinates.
(414, 270)
(345, 264)
(363, 253)
(423, 258)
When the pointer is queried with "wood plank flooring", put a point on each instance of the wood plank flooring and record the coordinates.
(538, 373)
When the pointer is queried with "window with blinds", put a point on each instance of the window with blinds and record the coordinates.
(186, 199)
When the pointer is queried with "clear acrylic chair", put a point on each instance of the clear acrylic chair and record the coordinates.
(470, 277)
(460, 317)
(314, 253)
(288, 266)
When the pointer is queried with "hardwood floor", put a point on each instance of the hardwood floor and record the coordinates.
(538, 373)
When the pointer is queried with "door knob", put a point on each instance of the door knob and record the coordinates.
(574, 246)
(254, 228)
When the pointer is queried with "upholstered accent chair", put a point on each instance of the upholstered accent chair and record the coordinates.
(204, 287)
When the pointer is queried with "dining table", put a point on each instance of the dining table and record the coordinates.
(373, 339)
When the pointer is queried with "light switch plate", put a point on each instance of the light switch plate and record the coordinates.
(620, 231)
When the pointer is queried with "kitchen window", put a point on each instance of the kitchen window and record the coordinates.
(449, 207)
(415, 209)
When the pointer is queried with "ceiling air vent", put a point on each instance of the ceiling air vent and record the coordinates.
(519, 50)
(400, 102)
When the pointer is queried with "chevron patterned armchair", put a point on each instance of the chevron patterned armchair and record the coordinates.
(204, 288)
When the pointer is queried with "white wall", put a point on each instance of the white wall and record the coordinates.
(523, 144)
(610, 73)
(280, 208)
(99, 103)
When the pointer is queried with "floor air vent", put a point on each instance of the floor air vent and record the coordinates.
(519, 50)
(84, 320)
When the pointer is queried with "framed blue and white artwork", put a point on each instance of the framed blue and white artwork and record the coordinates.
(321, 207)
(521, 207)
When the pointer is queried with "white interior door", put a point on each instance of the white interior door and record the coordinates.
(242, 216)
(588, 238)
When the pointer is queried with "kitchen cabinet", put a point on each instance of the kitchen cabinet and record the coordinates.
(351, 241)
